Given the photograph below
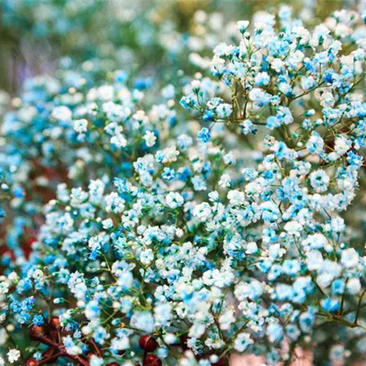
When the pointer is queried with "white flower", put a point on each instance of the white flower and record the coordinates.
(319, 180)
(80, 125)
(229, 158)
(96, 361)
(202, 211)
(225, 181)
(354, 286)
(293, 228)
(119, 140)
(196, 330)
(105, 92)
(62, 113)
(114, 203)
(196, 85)
(226, 319)
(174, 200)
(70, 346)
(224, 110)
(349, 258)
(13, 355)
(150, 138)
(120, 344)
(146, 256)
(236, 197)
(242, 342)
(170, 154)
(262, 78)
(314, 260)
(342, 145)
(142, 320)
(277, 64)
(140, 116)
(13, 277)
(302, 34)
(222, 49)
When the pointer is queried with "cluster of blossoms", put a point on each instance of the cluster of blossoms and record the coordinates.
(73, 128)
(304, 87)
(180, 243)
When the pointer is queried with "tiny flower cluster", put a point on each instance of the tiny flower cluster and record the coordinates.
(171, 241)
(73, 128)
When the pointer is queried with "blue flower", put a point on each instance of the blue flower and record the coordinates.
(204, 135)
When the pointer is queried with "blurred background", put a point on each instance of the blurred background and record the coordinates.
(139, 34)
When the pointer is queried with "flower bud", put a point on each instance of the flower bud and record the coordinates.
(31, 362)
(148, 343)
(36, 331)
(55, 322)
(152, 360)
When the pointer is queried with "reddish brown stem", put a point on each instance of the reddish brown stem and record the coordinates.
(47, 341)
(62, 352)
(78, 359)
(95, 346)
(50, 358)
